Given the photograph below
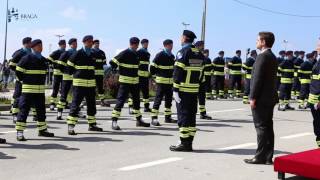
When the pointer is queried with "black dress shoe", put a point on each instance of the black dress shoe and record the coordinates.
(254, 161)
(115, 126)
(21, 138)
(71, 130)
(59, 118)
(2, 141)
(95, 128)
(170, 120)
(155, 122)
(205, 116)
(269, 162)
(147, 110)
(45, 133)
(181, 148)
(141, 123)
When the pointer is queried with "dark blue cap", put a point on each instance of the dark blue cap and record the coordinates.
(167, 42)
(35, 42)
(26, 40)
(134, 40)
(87, 37)
(206, 51)
(96, 41)
(199, 43)
(144, 41)
(62, 42)
(72, 40)
(189, 34)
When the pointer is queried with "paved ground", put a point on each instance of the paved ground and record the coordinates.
(142, 153)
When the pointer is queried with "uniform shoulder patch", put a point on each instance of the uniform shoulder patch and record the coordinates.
(179, 55)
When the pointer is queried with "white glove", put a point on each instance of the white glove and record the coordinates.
(176, 97)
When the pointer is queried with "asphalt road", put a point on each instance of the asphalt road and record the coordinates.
(142, 153)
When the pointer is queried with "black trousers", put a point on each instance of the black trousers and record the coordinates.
(65, 89)
(57, 81)
(262, 118)
(187, 110)
(235, 83)
(296, 85)
(144, 88)
(99, 82)
(278, 82)
(163, 90)
(16, 97)
(218, 85)
(208, 86)
(202, 98)
(78, 95)
(28, 100)
(304, 91)
(285, 92)
(247, 87)
(123, 94)
(316, 121)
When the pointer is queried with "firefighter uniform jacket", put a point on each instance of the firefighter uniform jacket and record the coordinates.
(100, 59)
(31, 71)
(305, 72)
(16, 57)
(128, 63)
(297, 63)
(162, 67)
(82, 66)
(188, 70)
(286, 69)
(235, 65)
(314, 96)
(63, 66)
(144, 59)
(280, 60)
(54, 58)
(218, 65)
(207, 67)
(247, 67)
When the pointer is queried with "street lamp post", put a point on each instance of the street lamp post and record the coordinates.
(6, 31)
(185, 25)
(59, 36)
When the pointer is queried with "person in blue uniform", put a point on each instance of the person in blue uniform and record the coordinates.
(31, 71)
(280, 59)
(218, 79)
(304, 74)
(295, 92)
(247, 67)
(187, 77)
(235, 75)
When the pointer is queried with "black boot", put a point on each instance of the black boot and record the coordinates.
(281, 107)
(59, 117)
(94, 127)
(45, 133)
(131, 110)
(318, 141)
(168, 119)
(35, 118)
(14, 119)
(147, 109)
(2, 141)
(20, 136)
(141, 123)
(155, 122)
(114, 125)
(71, 130)
(184, 146)
(288, 107)
(204, 115)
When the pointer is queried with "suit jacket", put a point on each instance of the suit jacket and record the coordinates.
(264, 79)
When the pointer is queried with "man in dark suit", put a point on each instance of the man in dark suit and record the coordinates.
(263, 98)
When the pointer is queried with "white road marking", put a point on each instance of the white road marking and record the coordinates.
(237, 146)
(9, 132)
(227, 110)
(296, 135)
(149, 164)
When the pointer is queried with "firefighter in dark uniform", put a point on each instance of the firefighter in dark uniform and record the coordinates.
(304, 74)
(286, 69)
(143, 72)
(57, 74)
(82, 66)
(187, 77)
(162, 68)
(295, 92)
(206, 80)
(281, 58)
(247, 67)
(66, 77)
(218, 79)
(235, 75)
(314, 100)
(31, 71)
(100, 58)
(128, 63)
(16, 57)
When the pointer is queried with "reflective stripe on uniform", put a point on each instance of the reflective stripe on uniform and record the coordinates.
(218, 73)
(235, 72)
(286, 70)
(72, 120)
(248, 76)
(84, 67)
(27, 88)
(99, 72)
(143, 73)
(144, 62)
(26, 71)
(21, 126)
(84, 82)
(67, 77)
(128, 80)
(57, 72)
(305, 81)
(70, 63)
(162, 80)
(286, 80)
(313, 99)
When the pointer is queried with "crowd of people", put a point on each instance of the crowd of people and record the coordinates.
(190, 78)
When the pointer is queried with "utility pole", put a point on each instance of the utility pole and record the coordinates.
(285, 42)
(204, 19)
(6, 31)
(59, 36)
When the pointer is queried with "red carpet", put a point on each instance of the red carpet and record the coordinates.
(306, 164)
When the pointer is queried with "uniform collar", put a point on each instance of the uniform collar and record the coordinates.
(185, 45)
